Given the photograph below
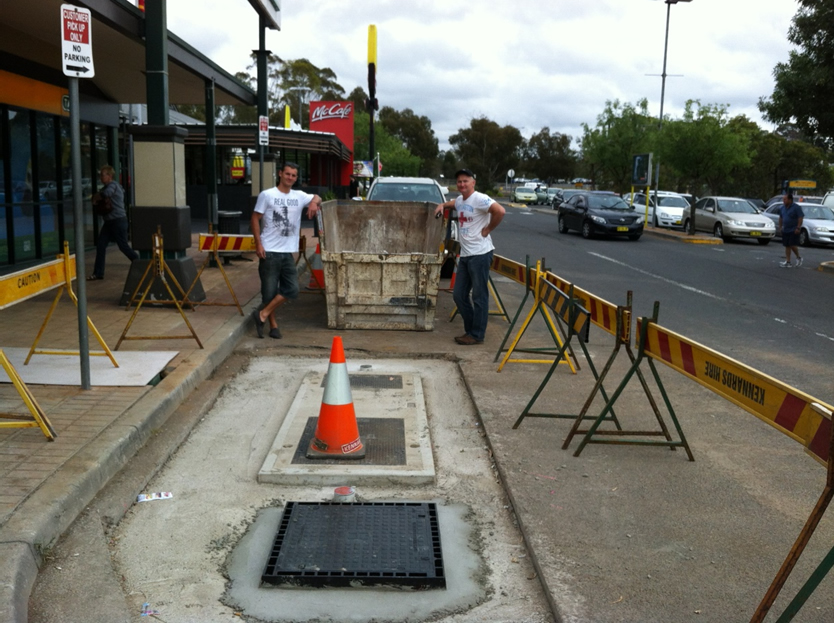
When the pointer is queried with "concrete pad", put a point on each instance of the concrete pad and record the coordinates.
(136, 368)
(406, 403)
(463, 568)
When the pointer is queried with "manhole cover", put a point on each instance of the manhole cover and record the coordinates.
(372, 381)
(393, 544)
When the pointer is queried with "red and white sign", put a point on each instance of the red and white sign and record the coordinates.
(263, 130)
(76, 42)
(336, 118)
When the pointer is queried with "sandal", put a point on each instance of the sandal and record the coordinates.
(94, 278)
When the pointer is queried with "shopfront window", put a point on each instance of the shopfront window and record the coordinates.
(4, 237)
(23, 198)
(47, 174)
(66, 182)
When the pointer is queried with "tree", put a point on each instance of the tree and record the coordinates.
(488, 149)
(240, 114)
(702, 148)
(622, 132)
(549, 156)
(359, 98)
(299, 81)
(395, 157)
(804, 89)
(415, 133)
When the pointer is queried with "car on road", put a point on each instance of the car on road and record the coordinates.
(406, 189)
(670, 213)
(817, 225)
(551, 194)
(731, 217)
(562, 195)
(604, 214)
(522, 194)
(541, 194)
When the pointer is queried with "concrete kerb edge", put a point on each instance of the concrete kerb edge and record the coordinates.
(58, 507)
(826, 267)
(502, 476)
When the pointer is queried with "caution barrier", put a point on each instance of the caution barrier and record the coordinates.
(227, 242)
(157, 269)
(493, 292)
(213, 244)
(536, 286)
(603, 313)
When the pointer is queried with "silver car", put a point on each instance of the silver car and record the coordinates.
(817, 226)
(670, 213)
(732, 217)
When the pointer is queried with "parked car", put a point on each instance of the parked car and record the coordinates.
(759, 204)
(777, 199)
(732, 217)
(541, 194)
(406, 189)
(563, 194)
(604, 214)
(551, 194)
(828, 200)
(671, 210)
(522, 194)
(817, 225)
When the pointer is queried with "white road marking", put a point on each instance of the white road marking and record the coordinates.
(661, 278)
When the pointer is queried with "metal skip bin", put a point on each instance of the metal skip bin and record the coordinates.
(382, 264)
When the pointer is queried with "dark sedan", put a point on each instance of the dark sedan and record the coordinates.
(602, 214)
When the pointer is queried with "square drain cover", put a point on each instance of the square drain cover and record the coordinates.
(384, 440)
(323, 544)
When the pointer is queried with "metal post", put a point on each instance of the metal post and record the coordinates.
(78, 215)
(211, 155)
(156, 61)
(263, 105)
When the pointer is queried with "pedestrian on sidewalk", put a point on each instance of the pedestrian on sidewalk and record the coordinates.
(478, 215)
(276, 225)
(790, 223)
(114, 223)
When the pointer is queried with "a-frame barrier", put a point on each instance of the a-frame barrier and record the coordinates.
(645, 352)
(562, 350)
(158, 269)
(576, 320)
(68, 264)
(500, 310)
(213, 243)
(38, 417)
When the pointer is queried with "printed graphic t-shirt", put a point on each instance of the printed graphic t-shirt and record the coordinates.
(281, 222)
(473, 216)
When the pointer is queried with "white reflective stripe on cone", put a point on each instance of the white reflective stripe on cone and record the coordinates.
(337, 385)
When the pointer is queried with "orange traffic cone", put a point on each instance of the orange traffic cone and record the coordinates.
(316, 271)
(454, 274)
(337, 435)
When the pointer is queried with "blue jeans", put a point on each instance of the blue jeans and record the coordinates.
(278, 276)
(112, 231)
(473, 277)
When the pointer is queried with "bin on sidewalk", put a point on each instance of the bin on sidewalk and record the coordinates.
(382, 264)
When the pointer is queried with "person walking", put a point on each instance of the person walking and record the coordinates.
(790, 223)
(114, 223)
(279, 210)
(478, 216)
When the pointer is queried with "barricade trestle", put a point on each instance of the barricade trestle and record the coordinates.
(158, 269)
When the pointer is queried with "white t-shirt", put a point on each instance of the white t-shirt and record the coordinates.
(473, 216)
(281, 222)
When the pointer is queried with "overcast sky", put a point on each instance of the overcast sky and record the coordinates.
(527, 63)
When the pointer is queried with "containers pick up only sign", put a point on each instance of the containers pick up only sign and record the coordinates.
(76, 42)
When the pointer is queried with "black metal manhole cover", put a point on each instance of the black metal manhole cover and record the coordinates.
(383, 438)
(323, 544)
(372, 381)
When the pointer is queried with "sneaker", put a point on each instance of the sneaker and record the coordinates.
(785, 265)
(798, 262)
(467, 340)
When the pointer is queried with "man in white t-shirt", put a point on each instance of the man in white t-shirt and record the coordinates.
(478, 215)
(276, 225)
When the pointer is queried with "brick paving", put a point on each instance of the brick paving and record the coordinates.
(27, 458)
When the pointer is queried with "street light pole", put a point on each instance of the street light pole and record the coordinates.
(669, 4)
(300, 91)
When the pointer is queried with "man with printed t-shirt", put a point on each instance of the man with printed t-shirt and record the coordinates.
(478, 215)
(276, 226)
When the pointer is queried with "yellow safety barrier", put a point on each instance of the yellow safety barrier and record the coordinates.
(214, 243)
(538, 289)
(783, 407)
(603, 313)
(38, 417)
(227, 242)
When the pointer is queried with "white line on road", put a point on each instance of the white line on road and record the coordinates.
(661, 278)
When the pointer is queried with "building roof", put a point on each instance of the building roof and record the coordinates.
(30, 42)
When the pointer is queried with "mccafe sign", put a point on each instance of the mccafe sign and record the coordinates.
(332, 110)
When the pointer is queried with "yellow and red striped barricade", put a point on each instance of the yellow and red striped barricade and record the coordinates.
(575, 318)
(637, 437)
(603, 313)
(522, 274)
(536, 288)
(785, 408)
(228, 242)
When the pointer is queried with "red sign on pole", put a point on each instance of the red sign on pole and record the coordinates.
(76, 42)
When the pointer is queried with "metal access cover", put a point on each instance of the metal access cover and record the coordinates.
(323, 544)
(384, 440)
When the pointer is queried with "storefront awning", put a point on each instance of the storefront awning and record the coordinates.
(30, 43)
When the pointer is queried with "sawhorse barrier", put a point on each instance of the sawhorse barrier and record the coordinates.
(531, 279)
(214, 244)
(158, 269)
(576, 320)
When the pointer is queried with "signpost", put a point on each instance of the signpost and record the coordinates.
(263, 139)
(510, 176)
(77, 62)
